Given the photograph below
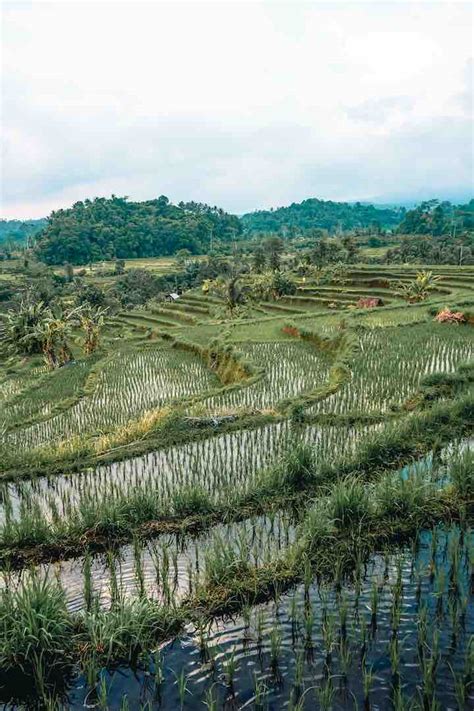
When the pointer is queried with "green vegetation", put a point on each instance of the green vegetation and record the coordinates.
(320, 214)
(18, 232)
(217, 435)
(116, 228)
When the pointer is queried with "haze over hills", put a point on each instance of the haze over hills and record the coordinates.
(19, 231)
(325, 214)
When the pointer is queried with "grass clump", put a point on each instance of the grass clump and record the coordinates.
(126, 629)
(349, 502)
(192, 501)
(297, 469)
(461, 474)
(398, 496)
(225, 564)
(35, 627)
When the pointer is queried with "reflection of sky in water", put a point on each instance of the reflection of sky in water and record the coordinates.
(219, 464)
(253, 658)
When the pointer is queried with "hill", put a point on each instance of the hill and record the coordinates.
(20, 230)
(439, 218)
(324, 214)
(103, 229)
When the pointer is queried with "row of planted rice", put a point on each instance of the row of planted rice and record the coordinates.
(389, 364)
(130, 383)
(164, 568)
(223, 466)
(289, 369)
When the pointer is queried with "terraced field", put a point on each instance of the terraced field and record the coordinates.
(270, 511)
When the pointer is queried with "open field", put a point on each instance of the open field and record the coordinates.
(267, 511)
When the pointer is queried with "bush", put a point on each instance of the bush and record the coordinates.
(448, 316)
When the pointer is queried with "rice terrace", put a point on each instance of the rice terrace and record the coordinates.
(243, 479)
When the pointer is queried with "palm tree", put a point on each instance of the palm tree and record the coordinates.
(54, 332)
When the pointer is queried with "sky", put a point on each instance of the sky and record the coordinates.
(245, 105)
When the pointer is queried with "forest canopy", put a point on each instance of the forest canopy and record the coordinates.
(323, 214)
(103, 229)
(439, 218)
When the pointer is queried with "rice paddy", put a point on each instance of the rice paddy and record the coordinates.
(119, 395)
(280, 521)
(390, 363)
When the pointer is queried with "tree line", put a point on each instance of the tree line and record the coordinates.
(327, 215)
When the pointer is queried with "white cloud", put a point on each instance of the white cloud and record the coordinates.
(237, 103)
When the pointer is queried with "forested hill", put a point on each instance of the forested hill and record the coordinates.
(324, 214)
(439, 218)
(116, 228)
(19, 230)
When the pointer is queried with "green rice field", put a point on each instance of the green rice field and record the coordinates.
(270, 511)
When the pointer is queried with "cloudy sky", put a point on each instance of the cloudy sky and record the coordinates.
(240, 104)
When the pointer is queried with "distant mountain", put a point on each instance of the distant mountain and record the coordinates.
(20, 230)
(324, 214)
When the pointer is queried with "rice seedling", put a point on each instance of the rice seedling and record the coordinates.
(210, 699)
(325, 694)
(367, 682)
(182, 684)
(124, 704)
(158, 671)
(230, 668)
(328, 631)
(345, 658)
(260, 692)
(275, 648)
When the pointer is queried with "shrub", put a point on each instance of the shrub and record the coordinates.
(369, 302)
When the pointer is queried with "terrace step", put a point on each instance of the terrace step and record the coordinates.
(200, 300)
(132, 318)
(316, 301)
(279, 307)
(183, 306)
(355, 293)
(178, 316)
